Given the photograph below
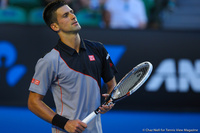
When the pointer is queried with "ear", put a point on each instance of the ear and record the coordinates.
(54, 27)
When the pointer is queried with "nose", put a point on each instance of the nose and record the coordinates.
(73, 16)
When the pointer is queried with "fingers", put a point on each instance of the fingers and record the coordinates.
(75, 126)
(80, 127)
(105, 108)
(105, 95)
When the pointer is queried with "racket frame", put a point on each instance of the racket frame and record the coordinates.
(111, 100)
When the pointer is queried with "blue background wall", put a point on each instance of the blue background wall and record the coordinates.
(168, 100)
(21, 120)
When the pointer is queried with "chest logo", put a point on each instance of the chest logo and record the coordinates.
(91, 57)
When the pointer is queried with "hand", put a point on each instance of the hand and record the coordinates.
(75, 126)
(105, 108)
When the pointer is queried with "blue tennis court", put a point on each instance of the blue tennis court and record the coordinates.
(21, 120)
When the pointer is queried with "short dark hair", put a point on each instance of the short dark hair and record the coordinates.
(49, 14)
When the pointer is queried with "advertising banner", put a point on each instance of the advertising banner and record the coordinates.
(173, 85)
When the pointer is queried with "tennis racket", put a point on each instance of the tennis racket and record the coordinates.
(126, 86)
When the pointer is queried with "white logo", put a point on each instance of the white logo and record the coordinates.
(176, 78)
(107, 57)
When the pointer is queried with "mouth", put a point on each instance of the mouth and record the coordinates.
(75, 23)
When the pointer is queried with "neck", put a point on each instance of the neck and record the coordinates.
(71, 40)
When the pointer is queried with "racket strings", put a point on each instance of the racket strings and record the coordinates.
(130, 81)
(141, 73)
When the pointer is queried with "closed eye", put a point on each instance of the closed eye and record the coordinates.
(66, 14)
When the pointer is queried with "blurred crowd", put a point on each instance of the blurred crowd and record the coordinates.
(115, 14)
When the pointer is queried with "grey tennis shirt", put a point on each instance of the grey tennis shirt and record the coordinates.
(75, 80)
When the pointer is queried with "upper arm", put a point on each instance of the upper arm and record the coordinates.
(108, 68)
(34, 98)
(39, 108)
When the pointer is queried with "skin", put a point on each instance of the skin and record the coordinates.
(67, 28)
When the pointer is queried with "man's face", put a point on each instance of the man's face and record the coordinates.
(67, 21)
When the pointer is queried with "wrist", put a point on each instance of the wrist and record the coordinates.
(59, 121)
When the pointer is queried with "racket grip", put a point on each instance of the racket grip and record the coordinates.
(89, 117)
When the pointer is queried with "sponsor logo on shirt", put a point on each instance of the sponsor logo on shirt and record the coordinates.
(107, 57)
(35, 81)
(91, 57)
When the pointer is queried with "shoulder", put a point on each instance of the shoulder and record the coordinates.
(50, 57)
(51, 54)
(94, 44)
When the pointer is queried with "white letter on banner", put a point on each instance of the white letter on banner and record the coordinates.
(166, 72)
(189, 75)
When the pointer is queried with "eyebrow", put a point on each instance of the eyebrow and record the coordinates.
(67, 13)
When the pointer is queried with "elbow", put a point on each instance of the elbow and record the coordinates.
(31, 101)
(29, 104)
(34, 101)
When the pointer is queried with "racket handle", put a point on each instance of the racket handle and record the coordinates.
(89, 117)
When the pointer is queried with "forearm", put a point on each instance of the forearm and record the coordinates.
(111, 84)
(38, 107)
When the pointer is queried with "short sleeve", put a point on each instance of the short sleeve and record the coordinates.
(43, 77)
(109, 69)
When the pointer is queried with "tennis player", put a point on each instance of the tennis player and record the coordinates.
(72, 70)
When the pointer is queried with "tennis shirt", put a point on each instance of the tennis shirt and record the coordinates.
(75, 80)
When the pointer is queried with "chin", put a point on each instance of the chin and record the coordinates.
(77, 29)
